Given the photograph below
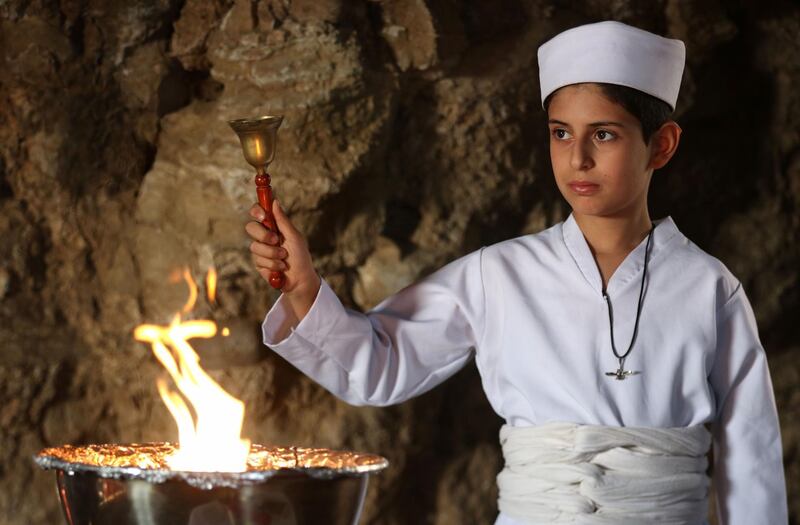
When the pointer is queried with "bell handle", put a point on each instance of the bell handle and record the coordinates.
(264, 191)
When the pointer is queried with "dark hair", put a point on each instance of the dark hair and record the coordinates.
(650, 111)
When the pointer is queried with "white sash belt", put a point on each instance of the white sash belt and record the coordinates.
(591, 474)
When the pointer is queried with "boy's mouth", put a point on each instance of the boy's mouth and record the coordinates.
(584, 187)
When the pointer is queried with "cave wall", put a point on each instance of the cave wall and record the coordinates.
(413, 134)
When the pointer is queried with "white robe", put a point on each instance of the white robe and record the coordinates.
(531, 311)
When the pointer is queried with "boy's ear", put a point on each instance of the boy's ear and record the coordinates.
(664, 144)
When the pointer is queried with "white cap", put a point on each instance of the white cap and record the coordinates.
(613, 53)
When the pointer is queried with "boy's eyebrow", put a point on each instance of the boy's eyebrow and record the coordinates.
(592, 124)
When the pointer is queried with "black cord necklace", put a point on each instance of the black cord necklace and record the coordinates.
(621, 373)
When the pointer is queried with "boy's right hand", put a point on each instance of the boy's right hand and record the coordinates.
(292, 258)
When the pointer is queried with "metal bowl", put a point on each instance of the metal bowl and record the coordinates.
(130, 485)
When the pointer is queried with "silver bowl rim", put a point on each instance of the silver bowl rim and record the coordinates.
(257, 124)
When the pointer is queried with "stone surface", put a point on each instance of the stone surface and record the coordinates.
(413, 134)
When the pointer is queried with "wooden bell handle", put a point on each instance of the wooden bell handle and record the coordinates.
(264, 190)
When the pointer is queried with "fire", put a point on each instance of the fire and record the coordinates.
(211, 285)
(211, 441)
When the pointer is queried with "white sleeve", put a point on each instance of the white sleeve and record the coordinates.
(748, 459)
(406, 345)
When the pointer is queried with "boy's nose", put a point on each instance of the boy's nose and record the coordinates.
(580, 158)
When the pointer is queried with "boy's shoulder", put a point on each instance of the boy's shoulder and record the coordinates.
(691, 253)
(698, 265)
(530, 242)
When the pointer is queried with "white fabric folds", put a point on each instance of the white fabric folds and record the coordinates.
(594, 474)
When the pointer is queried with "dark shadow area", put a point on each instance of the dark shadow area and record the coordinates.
(719, 167)
(6, 192)
(179, 87)
(401, 221)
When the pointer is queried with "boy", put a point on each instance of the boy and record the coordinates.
(605, 389)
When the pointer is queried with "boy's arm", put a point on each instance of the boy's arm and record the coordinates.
(406, 345)
(748, 463)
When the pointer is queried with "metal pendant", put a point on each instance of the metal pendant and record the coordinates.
(621, 373)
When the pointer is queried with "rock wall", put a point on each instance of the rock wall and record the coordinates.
(413, 135)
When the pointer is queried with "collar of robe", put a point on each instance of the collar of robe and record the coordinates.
(633, 264)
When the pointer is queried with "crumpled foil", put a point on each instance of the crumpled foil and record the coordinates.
(147, 461)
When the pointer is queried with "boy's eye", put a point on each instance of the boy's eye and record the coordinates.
(604, 135)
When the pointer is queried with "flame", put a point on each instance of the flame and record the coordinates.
(211, 285)
(212, 441)
(192, 292)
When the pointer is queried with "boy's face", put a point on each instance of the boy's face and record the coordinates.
(600, 161)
